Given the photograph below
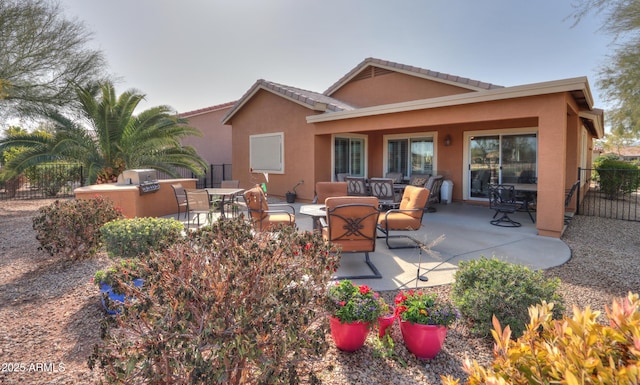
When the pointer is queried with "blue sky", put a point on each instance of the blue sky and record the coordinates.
(191, 54)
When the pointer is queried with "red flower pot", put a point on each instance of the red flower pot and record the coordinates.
(424, 341)
(383, 323)
(348, 337)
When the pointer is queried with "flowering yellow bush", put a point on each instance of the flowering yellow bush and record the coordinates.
(572, 351)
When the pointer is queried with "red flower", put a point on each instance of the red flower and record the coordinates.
(399, 310)
(342, 303)
(307, 246)
(400, 298)
(364, 289)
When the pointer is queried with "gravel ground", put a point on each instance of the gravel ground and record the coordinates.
(50, 312)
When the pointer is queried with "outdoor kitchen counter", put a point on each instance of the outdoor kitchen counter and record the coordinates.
(134, 204)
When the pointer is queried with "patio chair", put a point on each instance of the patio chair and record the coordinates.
(341, 175)
(181, 199)
(198, 203)
(434, 185)
(325, 190)
(351, 224)
(396, 176)
(382, 188)
(567, 201)
(356, 186)
(419, 180)
(408, 217)
(263, 216)
(502, 199)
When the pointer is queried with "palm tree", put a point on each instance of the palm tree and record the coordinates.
(112, 138)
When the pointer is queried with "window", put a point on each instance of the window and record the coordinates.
(266, 153)
(349, 156)
(410, 155)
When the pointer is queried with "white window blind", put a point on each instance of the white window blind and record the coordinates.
(266, 153)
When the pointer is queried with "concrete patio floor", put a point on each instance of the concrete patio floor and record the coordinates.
(467, 234)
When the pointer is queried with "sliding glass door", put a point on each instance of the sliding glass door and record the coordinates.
(501, 158)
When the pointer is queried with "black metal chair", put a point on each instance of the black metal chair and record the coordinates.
(434, 185)
(382, 188)
(567, 201)
(502, 199)
(356, 186)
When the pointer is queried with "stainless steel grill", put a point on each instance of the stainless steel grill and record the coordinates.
(146, 179)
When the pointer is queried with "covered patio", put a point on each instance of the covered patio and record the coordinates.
(467, 235)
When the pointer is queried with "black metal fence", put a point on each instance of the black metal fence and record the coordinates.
(612, 193)
(54, 180)
(58, 180)
(213, 176)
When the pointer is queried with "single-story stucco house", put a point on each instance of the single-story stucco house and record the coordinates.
(387, 117)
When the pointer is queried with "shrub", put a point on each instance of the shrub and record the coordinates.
(616, 176)
(130, 238)
(576, 350)
(72, 228)
(116, 274)
(485, 287)
(225, 306)
(52, 178)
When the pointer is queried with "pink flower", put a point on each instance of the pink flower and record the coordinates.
(364, 289)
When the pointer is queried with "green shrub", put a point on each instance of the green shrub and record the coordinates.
(485, 287)
(576, 350)
(115, 274)
(130, 238)
(616, 176)
(225, 306)
(71, 228)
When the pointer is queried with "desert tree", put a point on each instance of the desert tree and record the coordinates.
(42, 54)
(620, 74)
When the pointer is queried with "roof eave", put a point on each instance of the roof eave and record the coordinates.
(557, 86)
(408, 70)
(260, 85)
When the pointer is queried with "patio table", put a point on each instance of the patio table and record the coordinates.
(224, 193)
(530, 190)
(315, 211)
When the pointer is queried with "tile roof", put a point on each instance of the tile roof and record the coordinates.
(206, 109)
(438, 76)
(313, 100)
(305, 96)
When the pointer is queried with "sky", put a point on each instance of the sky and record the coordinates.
(192, 54)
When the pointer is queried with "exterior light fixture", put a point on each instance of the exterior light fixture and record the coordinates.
(447, 140)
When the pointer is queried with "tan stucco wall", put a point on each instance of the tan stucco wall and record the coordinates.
(547, 113)
(215, 143)
(392, 88)
(267, 113)
(128, 198)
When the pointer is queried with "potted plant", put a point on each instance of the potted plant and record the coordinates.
(424, 322)
(108, 281)
(353, 310)
(291, 195)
